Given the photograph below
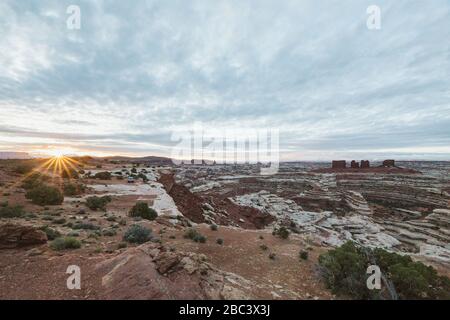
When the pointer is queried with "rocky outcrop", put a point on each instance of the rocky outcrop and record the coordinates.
(15, 235)
(338, 164)
(152, 272)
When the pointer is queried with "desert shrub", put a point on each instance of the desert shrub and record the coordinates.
(304, 255)
(137, 234)
(69, 173)
(194, 235)
(219, 241)
(72, 189)
(98, 203)
(344, 271)
(263, 247)
(272, 256)
(105, 175)
(59, 221)
(7, 211)
(213, 227)
(122, 245)
(24, 168)
(85, 226)
(281, 232)
(109, 232)
(141, 209)
(51, 233)
(65, 243)
(134, 170)
(45, 195)
(34, 180)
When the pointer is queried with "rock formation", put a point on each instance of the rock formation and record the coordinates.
(15, 235)
(151, 272)
(338, 164)
(365, 164)
(389, 163)
(354, 164)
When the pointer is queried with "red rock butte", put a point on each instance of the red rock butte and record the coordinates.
(387, 166)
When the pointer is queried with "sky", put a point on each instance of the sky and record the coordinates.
(137, 74)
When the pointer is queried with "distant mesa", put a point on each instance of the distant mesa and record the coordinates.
(387, 166)
(14, 155)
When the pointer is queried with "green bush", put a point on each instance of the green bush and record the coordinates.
(105, 175)
(194, 235)
(24, 168)
(137, 234)
(109, 232)
(141, 209)
(65, 243)
(213, 227)
(7, 211)
(344, 271)
(69, 173)
(281, 232)
(98, 203)
(51, 233)
(45, 195)
(71, 189)
(219, 241)
(304, 255)
(34, 180)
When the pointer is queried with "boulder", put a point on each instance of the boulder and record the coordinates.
(16, 235)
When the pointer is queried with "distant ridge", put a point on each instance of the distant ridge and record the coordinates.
(147, 159)
(14, 155)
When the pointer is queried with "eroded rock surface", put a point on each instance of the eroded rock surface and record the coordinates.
(151, 272)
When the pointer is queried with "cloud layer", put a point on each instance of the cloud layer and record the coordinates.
(135, 73)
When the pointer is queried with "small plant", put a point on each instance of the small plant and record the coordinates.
(65, 243)
(59, 221)
(111, 218)
(105, 175)
(219, 241)
(141, 209)
(281, 232)
(7, 211)
(109, 232)
(71, 189)
(45, 195)
(34, 180)
(261, 237)
(51, 233)
(263, 247)
(213, 227)
(24, 168)
(98, 203)
(122, 245)
(69, 173)
(137, 234)
(272, 256)
(304, 255)
(194, 235)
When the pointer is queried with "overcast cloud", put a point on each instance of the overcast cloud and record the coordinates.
(137, 71)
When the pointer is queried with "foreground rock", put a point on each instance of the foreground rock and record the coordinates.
(15, 235)
(151, 272)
